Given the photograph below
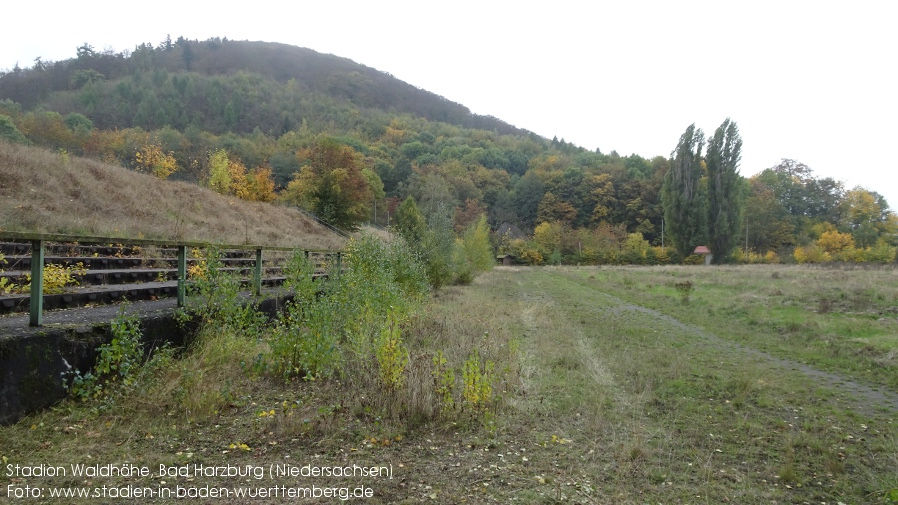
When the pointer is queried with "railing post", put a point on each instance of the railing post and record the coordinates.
(339, 263)
(182, 275)
(36, 309)
(257, 274)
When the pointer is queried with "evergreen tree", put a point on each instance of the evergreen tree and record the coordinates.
(410, 223)
(681, 196)
(724, 191)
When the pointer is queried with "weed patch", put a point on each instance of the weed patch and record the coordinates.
(685, 290)
(121, 365)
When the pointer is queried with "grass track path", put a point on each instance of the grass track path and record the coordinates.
(863, 396)
(657, 410)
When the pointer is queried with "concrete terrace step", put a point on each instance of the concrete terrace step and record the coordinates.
(75, 249)
(124, 276)
(92, 295)
(82, 296)
(89, 262)
(107, 262)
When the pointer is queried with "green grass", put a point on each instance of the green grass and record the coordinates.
(843, 321)
(608, 399)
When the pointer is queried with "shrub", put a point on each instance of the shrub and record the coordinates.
(751, 258)
(685, 289)
(152, 159)
(57, 277)
(477, 380)
(5, 284)
(834, 242)
(694, 259)
(882, 252)
(119, 363)
(344, 318)
(392, 356)
(532, 257)
(438, 248)
(304, 343)
(8, 131)
(214, 297)
(810, 254)
(444, 382)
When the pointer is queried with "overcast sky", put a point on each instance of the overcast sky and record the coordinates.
(810, 81)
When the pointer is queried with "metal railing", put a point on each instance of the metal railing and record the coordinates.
(38, 241)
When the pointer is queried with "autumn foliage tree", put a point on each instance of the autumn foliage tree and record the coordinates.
(331, 184)
(152, 159)
(552, 208)
(867, 216)
(476, 243)
(261, 185)
(834, 242)
(768, 225)
(409, 222)
(219, 173)
(468, 214)
(229, 176)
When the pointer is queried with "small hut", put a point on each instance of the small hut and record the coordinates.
(704, 251)
(505, 259)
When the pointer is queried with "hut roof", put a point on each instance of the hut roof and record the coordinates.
(511, 230)
(701, 250)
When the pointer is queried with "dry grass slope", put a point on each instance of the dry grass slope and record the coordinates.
(48, 192)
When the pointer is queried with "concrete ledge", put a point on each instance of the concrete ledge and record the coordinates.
(33, 360)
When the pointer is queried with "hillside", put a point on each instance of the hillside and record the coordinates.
(43, 191)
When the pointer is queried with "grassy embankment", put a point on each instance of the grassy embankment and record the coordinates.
(606, 402)
(47, 192)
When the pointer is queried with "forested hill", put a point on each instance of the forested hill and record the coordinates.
(109, 86)
(270, 122)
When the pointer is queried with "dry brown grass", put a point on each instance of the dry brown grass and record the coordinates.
(46, 192)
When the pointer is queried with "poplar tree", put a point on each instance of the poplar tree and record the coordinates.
(684, 210)
(724, 191)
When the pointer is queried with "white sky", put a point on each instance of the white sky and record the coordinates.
(811, 81)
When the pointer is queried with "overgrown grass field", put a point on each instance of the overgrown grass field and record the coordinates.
(543, 385)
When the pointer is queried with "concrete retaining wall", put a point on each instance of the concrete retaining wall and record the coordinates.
(33, 361)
